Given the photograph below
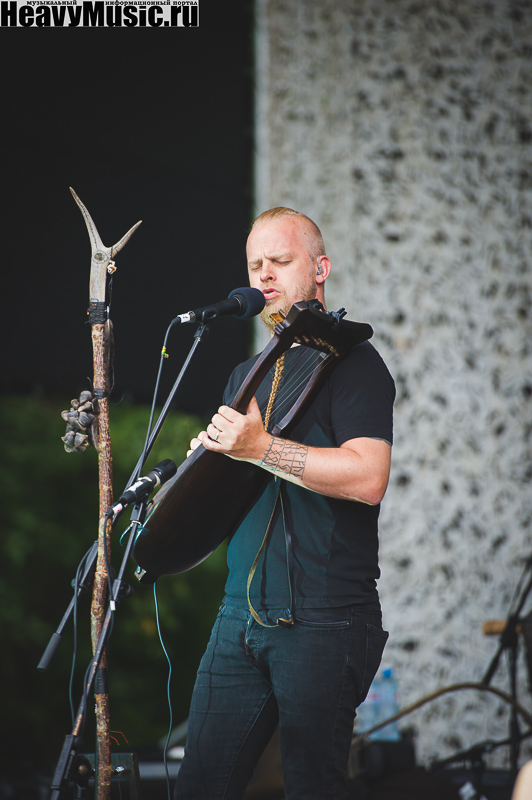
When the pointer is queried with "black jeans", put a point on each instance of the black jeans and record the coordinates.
(309, 679)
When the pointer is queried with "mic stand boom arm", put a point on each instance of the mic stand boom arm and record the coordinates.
(200, 336)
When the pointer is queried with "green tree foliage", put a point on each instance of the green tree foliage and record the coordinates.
(49, 521)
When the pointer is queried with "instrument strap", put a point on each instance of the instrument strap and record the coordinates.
(284, 623)
(287, 623)
(256, 561)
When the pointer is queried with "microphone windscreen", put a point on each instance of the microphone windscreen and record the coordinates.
(165, 470)
(252, 300)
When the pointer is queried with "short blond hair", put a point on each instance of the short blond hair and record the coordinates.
(316, 244)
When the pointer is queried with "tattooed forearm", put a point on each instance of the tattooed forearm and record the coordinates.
(286, 457)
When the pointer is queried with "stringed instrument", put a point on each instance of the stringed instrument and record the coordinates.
(211, 493)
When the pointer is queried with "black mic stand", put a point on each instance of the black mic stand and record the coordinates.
(509, 641)
(72, 767)
(88, 564)
(200, 336)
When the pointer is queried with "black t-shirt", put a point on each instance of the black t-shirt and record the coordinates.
(334, 542)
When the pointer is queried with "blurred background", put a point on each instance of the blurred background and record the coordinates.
(405, 130)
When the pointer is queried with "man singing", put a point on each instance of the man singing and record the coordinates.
(298, 638)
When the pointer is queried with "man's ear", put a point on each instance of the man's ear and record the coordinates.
(323, 269)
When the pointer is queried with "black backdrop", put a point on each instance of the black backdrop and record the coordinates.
(151, 124)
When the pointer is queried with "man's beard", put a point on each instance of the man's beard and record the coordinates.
(283, 304)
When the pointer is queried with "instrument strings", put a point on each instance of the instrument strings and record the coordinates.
(295, 378)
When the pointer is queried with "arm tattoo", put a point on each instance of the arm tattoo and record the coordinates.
(287, 458)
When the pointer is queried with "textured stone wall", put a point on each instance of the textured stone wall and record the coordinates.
(404, 129)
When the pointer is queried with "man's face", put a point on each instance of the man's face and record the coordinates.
(280, 266)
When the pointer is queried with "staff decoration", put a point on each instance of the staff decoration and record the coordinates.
(88, 425)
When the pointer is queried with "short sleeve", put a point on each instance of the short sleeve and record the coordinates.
(362, 394)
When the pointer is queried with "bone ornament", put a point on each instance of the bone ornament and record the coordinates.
(82, 424)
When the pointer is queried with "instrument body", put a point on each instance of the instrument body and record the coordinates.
(211, 494)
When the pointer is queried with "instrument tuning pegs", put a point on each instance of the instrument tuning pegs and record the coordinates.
(338, 315)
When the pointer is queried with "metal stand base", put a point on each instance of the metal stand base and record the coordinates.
(125, 775)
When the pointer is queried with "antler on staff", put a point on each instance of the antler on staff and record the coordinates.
(102, 256)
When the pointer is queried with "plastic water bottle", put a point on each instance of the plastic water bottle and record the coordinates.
(380, 704)
(367, 712)
(389, 705)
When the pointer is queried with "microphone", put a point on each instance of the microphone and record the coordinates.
(242, 303)
(145, 486)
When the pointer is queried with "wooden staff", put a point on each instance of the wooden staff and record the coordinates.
(102, 265)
